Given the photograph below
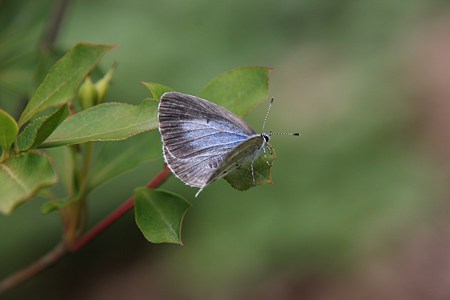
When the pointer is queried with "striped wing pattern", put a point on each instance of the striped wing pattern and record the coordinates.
(198, 136)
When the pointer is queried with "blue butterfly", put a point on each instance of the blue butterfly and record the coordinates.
(203, 142)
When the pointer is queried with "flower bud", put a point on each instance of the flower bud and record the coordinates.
(103, 84)
(87, 94)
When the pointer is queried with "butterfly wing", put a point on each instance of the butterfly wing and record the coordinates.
(197, 136)
(248, 150)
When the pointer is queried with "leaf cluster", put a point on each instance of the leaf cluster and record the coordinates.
(67, 121)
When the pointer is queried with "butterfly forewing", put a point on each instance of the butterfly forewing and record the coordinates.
(197, 136)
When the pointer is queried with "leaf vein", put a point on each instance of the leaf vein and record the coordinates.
(14, 177)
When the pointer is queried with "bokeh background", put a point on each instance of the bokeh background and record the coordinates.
(359, 208)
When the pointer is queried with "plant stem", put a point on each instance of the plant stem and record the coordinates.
(62, 248)
(33, 269)
(4, 155)
(74, 215)
(84, 172)
(115, 215)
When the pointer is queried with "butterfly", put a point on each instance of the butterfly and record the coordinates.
(203, 142)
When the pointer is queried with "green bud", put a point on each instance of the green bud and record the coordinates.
(87, 94)
(103, 84)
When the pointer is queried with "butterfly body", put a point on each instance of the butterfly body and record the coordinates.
(202, 141)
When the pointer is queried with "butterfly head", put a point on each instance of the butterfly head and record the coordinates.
(266, 136)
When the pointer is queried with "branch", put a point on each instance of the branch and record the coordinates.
(115, 215)
(54, 25)
(61, 249)
(44, 262)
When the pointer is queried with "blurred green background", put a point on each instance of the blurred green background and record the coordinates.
(359, 204)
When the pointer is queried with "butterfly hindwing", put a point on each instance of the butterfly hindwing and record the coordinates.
(246, 151)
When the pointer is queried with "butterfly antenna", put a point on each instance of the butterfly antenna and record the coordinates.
(285, 133)
(267, 114)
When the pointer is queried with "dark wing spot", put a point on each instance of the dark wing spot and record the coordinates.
(213, 165)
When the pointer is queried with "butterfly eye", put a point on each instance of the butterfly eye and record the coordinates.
(266, 137)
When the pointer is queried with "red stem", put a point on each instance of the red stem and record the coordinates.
(115, 215)
(41, 264)
(62, 248)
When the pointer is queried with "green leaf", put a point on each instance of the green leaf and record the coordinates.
(62, 82)
(239, 90)
(27, 137)
(54, 205)
(51, 206)
(105, 122)
(156, 89)
(47, 58)
(241, 178)
(21, 177)
(41, 128)
(8, 130)
(159, 215)
(116, 158)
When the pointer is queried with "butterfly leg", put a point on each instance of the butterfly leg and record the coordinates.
(265, 155)
(199, 191)
(253, 174)
(270, 150)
